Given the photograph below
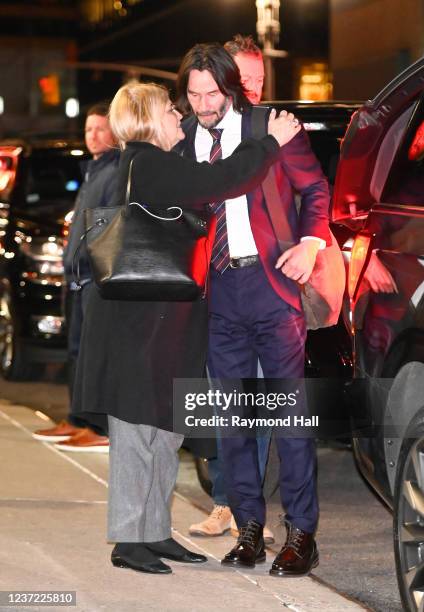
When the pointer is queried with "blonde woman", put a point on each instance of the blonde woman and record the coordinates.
(132, 351)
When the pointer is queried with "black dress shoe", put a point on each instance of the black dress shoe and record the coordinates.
(298, 556)
(137, 557)
(172, 550)
(250, 547)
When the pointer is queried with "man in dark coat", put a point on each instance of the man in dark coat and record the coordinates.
(86, 432)
(255, 305)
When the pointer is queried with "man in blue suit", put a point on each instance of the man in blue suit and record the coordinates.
(255, 305)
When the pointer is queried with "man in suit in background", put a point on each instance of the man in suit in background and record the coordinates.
(250, 62)
(255, 305)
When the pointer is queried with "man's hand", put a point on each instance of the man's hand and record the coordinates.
(283, 128)
(298, 262)
(378, 276)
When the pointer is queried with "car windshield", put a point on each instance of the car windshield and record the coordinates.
(53, 175)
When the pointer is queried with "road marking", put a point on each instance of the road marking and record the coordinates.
(48, 445)
(39, 500)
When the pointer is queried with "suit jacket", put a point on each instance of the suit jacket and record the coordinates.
(297, 171)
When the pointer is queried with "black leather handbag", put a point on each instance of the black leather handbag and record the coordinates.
(137, 252)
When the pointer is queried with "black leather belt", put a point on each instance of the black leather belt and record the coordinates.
(243, 262)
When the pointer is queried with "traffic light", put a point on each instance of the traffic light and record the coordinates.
(50, 89)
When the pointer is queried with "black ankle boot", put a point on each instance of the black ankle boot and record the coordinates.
(298, 556)
(250, 547)
(171, 549)
(136, 556)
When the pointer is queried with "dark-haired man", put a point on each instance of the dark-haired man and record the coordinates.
(255, 306)
(86, 433)
(249, 60)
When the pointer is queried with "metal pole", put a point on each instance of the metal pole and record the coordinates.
(268, 30)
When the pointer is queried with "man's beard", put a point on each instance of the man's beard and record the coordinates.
(211, 120)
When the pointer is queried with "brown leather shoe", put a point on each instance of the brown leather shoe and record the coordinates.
(250, 547)
(298, 556)
(58, 433)
(85, 441)
(216, 524)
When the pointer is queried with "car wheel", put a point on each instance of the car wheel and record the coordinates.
(408, 523)
(13, 365)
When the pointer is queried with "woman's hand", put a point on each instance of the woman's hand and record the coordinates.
(284, 127)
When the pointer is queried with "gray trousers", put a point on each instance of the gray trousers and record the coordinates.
(143, 467)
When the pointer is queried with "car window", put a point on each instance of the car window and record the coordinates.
(53, 175)
(326, 146)
(405, 182)
(387, 153)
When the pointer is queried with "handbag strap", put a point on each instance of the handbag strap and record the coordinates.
(128, 189)
(75, 266)
(278, 216)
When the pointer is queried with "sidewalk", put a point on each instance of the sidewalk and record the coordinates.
(53, 525)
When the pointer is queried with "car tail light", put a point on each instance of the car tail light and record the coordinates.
(361, 252)
(8, 164)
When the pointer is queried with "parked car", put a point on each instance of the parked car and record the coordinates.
(379, 196)
(39, 178)
(328, 351)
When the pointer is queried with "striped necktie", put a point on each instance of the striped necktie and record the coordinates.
(220, 252)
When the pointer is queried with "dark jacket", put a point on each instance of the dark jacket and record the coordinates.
(98, 189)
(132, 351)
(297, 171)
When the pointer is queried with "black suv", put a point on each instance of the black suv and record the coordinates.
(379, 196)
(39, 179)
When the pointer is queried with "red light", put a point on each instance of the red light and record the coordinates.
(5, 163)
(8, 163)
(416, 150)
(50, 89)
(359, 257)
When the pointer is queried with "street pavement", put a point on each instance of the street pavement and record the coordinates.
(53, 525)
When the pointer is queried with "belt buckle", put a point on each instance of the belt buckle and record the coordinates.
(232, 260)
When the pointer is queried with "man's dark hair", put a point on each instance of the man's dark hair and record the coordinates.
(214, 58)
(242, 44)
(101, 109)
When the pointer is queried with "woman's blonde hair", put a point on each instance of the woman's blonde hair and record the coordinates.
(135, 113)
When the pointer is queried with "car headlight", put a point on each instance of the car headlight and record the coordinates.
(45, 258)
(43, 250)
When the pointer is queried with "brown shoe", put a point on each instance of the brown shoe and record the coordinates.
(298, 556)
(58, 433)
(268, 535)
(250, 547)
(217, 523)
(85, 441)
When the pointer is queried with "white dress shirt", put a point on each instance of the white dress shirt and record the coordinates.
(240, 237)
